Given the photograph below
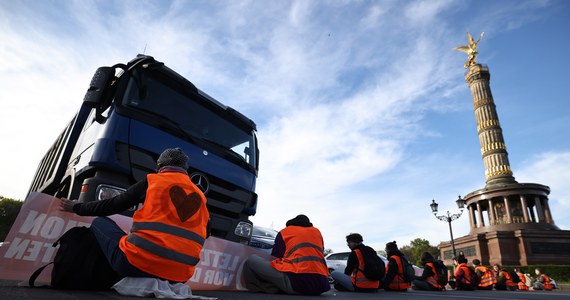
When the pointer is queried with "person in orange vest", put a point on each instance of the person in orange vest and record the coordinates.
(543, 281)
(168, 231)
(394, 279)
(299, 267)
(486, 278)
(522, 280)
(465, 278)
(353, 278)
(429, 278)
(503, 278)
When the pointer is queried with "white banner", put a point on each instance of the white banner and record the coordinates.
(28, 246)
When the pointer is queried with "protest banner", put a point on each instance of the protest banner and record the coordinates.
(40, 223)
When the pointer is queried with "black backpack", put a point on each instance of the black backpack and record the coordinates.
(441, 272)
(472, 277)
(79, 263)
(409, 272)
(514, 276)
(374, 268)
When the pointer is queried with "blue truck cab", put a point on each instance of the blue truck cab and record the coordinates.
(129, 115)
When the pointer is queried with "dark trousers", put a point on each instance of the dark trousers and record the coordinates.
(108, 234)
(424, 285)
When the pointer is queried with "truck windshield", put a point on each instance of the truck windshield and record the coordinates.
(176, 105)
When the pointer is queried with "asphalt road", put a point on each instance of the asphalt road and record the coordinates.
(10, 290)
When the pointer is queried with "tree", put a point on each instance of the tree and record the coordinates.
(407, 251)
(419, 246)
(327, 251)
(9, 209)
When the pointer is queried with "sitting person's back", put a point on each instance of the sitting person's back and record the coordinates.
(355, 278)
(299, 267)
(464, 276)
(394, 279)
(522, 284)
(429, 279)
(486, 278)
(543, 281)
(504, 281)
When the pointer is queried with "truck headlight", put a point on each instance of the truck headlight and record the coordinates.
(105, 191)
(243, 229)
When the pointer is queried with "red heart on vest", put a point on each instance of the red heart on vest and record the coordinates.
(186, 204)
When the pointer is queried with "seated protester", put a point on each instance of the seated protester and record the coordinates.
(503, 279)
(428, 280)
(522, 286)
(299, 267)
(543, 282)
(394, 279)
(486, 278)
(465, 278)
(353, 278)
(163, 242)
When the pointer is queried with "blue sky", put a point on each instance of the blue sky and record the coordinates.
(362, 109)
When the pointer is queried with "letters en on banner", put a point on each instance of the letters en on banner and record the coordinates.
(40, 223)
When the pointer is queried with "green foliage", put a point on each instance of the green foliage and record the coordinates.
(407, 250)
(9, 209)
(418, 247)
(415, 250)
(327, 251)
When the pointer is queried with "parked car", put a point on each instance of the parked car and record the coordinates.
(263, 238)
(337, 262)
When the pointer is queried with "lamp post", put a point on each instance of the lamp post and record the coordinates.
(449, 217)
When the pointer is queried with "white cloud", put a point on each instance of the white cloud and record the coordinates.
(551, 169)
(341, 92)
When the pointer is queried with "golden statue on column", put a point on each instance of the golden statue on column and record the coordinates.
(470, 49)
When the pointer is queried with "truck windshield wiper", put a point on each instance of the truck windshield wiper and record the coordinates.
(179, 129)
(228, 153)
(232, 154)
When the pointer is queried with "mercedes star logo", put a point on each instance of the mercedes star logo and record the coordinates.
(201, 181)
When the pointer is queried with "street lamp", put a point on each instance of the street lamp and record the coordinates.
(449, 217)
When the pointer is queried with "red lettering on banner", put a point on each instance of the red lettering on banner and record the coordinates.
(28, 246)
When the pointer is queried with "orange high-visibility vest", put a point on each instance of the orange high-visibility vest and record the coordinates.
(508, 280)
(466, 272)
(397, 282)
(169, 230)
(546, 285)
(522, 283)
(433, 279)
(487, 278)
(303, 251)
(357, 276)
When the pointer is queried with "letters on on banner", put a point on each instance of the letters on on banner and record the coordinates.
(40, 223)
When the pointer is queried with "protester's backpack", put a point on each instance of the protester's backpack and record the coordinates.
(79, 263)
(472, 277)
(514, 276)
(374, 267)
(409, 272)
(441, 270)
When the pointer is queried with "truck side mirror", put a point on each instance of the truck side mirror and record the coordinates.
(98, 89)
